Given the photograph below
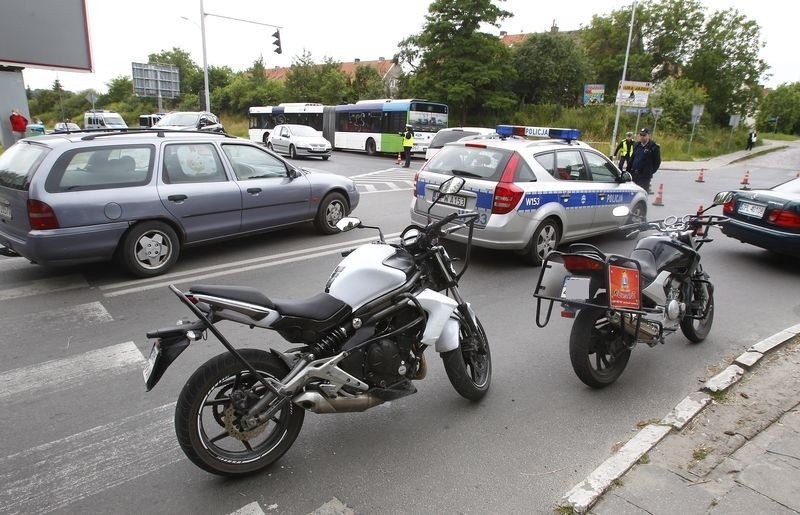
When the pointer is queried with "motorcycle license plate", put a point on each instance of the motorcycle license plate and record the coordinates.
(150, 365)
(454, 200)
(751, 209)
(5, 211)
(575, 288)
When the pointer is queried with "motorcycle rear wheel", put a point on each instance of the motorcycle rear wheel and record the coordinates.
(469, 370)
(702, 299)
(597, 349)
(207, 424)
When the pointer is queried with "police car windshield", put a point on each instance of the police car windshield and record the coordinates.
(457, 159)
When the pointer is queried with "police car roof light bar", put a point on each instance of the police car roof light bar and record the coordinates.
(538, 132)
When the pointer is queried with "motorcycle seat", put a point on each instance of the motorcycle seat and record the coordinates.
(321, 306)
(647, 263)
(240, 293)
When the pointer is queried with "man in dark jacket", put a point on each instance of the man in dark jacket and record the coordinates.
(645, 161)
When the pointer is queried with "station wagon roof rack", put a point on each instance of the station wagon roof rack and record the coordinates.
(160, 132)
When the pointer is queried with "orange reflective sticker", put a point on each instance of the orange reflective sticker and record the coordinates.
(623, 286)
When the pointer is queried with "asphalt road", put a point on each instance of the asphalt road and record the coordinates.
(81, 435)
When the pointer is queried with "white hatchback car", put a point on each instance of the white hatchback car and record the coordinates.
(531, 195)
(299, 140)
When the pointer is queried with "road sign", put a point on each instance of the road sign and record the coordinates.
(734, 121)
(637, 110)
(633, 94)
(91, 97)
(657, 111)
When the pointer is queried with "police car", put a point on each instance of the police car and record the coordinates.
(531, 195)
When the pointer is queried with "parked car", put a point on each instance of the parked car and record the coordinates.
(299, 140)
(140, 197)
(66, 127)
(450, 134)
(530, 195)
(190, 120)
(767, 218)
(102, 119)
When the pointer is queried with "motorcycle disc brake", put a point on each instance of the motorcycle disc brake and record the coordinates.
(234, 430)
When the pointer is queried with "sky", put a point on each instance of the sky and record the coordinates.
(341, 29)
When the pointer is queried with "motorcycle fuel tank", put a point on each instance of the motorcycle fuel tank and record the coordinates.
(362, 276)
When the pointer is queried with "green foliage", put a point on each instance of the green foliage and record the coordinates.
(367, 83)
(552, 68)
(676, 97)
(191, 75)
(310, 82)
(673, 31)
(783, 103)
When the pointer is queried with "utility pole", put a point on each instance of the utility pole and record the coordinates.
(624, 72)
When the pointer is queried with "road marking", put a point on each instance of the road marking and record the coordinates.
(369, 187)
(92, 313)
(49, 285)
(71, 372)
(234, 267)
(52, 476)
(249, 509)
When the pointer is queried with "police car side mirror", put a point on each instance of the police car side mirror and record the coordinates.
(625, 177)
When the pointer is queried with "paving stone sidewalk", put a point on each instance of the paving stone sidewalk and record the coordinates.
(740, 454)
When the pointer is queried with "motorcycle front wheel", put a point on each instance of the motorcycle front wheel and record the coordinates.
(468, 367)
(702, 301)
(597, 349)
(208, 424)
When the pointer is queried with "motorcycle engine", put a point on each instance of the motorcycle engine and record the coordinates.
(391, 360)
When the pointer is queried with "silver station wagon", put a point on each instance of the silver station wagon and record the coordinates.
(140, 196)
(530, 195)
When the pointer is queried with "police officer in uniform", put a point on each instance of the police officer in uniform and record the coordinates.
(408, 142)
(625, 151)
(645, 160)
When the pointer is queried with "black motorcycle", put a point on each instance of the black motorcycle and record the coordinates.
(618, 301)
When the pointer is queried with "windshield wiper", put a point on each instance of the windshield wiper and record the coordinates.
(463, 173)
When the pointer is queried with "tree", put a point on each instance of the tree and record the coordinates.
(672, 34)
(783, 104)
(726, 63)
(309, 82)
(677, 96)
(366, 84)
(455, 63)
(604, 43)
(191, 75)
(552, 69)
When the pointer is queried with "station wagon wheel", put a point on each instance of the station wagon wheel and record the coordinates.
(269, 146)
(545, 239)
(332, 209)
(149, 249)
(292, 152)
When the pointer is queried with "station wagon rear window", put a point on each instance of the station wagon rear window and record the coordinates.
(18, 163)
(470, 161)
(101, 168)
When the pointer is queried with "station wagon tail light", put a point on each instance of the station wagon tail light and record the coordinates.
(41, 216)
(507, 194)
(727, 207)
(783, 218)
(577, 264)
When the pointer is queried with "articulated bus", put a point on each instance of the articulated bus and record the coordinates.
(369, 125)
(263, 119)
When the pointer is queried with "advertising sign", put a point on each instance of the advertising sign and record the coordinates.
(155, 80)
(623, 287)
(593, 93)
(633, 94)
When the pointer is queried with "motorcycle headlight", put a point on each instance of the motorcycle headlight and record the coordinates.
(410, 237)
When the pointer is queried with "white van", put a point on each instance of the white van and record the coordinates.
(103, 120)
(453, 134)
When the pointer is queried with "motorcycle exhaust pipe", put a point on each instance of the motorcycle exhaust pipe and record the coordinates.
(318, 403)
(647, 330)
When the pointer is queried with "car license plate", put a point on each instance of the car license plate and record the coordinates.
(5, 211)
(155, 352)
(751, 209)
(575, 288)
(454, 200)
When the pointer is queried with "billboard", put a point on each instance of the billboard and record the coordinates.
(45, 34)
(156, 80)
(633, 94)
(593, 93)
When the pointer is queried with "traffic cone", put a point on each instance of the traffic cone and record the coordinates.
(746, 181)
(700, 177)
(659, 201)
(700, 229)
(398, 158)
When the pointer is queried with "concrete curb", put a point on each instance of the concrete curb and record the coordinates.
(585, 494)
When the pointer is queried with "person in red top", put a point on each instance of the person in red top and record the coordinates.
(19, 124)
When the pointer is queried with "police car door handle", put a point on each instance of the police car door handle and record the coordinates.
(601, 196)
(565, 196)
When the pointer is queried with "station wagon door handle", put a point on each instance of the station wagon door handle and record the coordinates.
(177, 198)
(601, 196)
(254, 191)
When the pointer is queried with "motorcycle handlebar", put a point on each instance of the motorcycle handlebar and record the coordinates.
(437, 226)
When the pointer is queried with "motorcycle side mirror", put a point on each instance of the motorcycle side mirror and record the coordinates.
(621, 211)
(723, 197)
(451, 186)
(348, 223)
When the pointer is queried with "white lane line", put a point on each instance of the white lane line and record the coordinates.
(92, 313)
(238, 269)
(369, 187)
(393, 186)
(50, 285)
(54, 475)
(71, 372)
(249, 509)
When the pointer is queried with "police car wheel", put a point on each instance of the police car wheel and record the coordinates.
(545, 239)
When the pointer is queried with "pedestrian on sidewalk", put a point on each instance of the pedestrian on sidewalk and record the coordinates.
(408, 142)
(19, 124)
(645, 160)
(625, 151)
(751, 139)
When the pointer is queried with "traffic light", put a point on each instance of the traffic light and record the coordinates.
(277, 42)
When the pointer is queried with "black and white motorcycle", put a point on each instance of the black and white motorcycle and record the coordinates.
(359, 344)
(622, 300)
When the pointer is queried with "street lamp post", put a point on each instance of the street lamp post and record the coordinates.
(624, 72)
(205, 60)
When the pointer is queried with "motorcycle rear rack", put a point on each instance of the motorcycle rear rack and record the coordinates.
(551, 285)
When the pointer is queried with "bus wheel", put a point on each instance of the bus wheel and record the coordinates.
(370, 147)
(265, 138)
